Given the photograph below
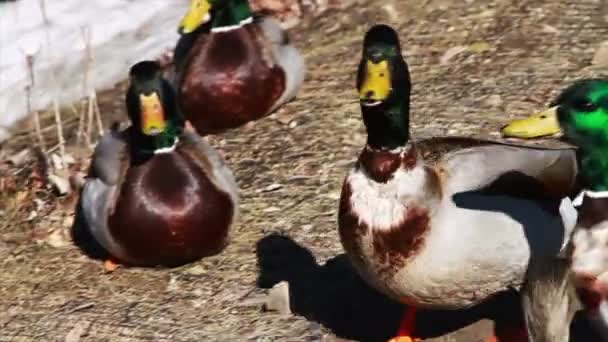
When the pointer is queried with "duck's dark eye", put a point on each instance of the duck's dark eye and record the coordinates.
(585, 105)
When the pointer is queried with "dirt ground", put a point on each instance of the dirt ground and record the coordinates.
(514, 57)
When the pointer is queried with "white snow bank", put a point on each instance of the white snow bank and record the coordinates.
(121, 32)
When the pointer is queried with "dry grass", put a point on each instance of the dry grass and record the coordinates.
(290, 168)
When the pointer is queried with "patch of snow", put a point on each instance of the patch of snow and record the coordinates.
(121, 33)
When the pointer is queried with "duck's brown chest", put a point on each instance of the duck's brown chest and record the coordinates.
(381, 253)
(231, 78)
(168, 212)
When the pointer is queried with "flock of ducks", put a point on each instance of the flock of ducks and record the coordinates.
(442, 223)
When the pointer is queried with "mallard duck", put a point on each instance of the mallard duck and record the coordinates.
(583, 118)
(581, 112)
(444, 223)
(538, 125)
(239, 70)
(156, 194)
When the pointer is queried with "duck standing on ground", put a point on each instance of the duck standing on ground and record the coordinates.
(239, 70)
(157, 195)
(582, 113)
(444, 223)
(583, 118)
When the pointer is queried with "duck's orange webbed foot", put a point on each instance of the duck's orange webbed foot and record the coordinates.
(406, 329)
(111, 265)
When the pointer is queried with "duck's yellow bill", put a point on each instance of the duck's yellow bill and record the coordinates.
(152, 114)
(196, 16)
(538, 125)
(376, 86)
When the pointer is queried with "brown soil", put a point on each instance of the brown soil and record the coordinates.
(290, 168)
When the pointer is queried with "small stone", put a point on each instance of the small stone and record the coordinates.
(58, 239)
(196, 270)
(550, 29)
(77, 332)
(494, 100)
(601, 55)
(273, 187)
(278, 299)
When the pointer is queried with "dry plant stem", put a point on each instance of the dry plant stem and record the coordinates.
(97, 113)
(93, 112)
(82, 131)
(29, 60)
(59, 130)
(90, 114)
(42, 4)
(80, 115)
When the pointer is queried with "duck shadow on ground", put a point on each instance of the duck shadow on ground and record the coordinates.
(334, 295)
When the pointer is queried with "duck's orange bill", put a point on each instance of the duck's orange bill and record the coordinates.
(152, 114)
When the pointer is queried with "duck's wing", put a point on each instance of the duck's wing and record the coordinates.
(286, 55)
(109, 157)
(513, 180)
(108, 166)
(469, 164)
(211, 162)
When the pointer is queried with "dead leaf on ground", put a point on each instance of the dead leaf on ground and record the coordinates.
(20, 158)
(61, 184)
(451, 53)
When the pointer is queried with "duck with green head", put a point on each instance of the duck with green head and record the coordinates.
(445, 223)
(583, 117)
(233, 67)
(156, 194)
(581, 111)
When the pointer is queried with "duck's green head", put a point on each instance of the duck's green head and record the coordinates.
(582, 112)
(383, 83)
(222, 13)
(151, 106)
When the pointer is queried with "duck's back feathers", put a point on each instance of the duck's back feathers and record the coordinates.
(286, 56)
(470, 164)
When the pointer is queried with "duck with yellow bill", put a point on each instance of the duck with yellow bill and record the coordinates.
(233, 67)
(156, 194)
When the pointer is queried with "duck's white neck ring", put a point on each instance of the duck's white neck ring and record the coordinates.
(578, 200)
(167, 149)
(399, 150)
(241, 23)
